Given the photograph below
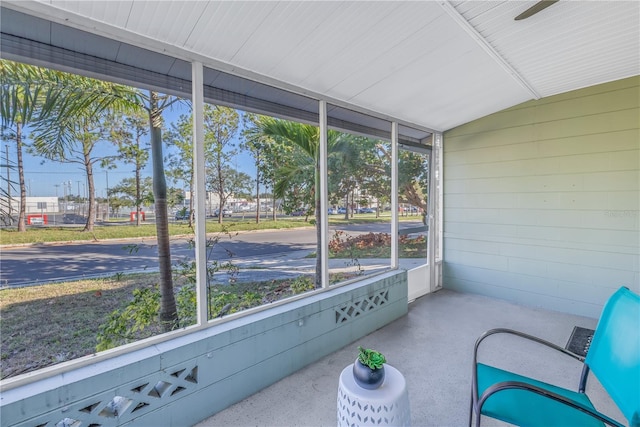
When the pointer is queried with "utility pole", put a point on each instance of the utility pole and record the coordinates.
(107, 173)
(64, 199)
(57, 202)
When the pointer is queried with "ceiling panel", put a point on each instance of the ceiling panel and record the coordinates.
(384, 64)
(165, 20)
(115, 12)
(224, 27)
(281, 34)
(432, 64)
(388, 38)
(569, 45)
(300, 58)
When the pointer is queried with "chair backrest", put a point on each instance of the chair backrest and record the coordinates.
(614, 354)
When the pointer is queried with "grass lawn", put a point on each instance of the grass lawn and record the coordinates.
(126, 231)
(49, 324)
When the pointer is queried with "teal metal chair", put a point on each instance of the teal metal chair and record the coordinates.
(613, 357)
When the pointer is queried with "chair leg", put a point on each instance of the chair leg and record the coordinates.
(472, 412)
(471, 408)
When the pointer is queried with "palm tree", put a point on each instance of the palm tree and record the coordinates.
(83, 136)
(54, 101)
(168, 310)
(20, 104)
(307, 139)
(60, 108)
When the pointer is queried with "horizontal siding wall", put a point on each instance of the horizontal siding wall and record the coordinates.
(185, 380)
(541, 201)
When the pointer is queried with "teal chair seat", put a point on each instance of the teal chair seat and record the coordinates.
(526, 408)
(613, 357)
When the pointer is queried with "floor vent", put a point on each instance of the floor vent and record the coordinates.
(580, 340)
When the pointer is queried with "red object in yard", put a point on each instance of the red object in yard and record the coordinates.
(37, 219)
(133, 216)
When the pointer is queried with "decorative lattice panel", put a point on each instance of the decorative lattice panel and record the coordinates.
(112, 410)
(355, 308)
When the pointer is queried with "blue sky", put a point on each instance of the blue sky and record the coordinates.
(47, 178)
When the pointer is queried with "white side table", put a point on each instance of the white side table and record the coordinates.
(388, 405)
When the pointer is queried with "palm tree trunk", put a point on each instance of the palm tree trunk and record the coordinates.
(91, 215)
(168, 311)
(22, 226)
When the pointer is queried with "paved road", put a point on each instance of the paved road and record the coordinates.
(53, 262)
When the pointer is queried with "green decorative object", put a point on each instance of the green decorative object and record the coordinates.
(368, 369)
(373, 359)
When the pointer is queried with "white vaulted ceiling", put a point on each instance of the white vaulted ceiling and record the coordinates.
(426, 63)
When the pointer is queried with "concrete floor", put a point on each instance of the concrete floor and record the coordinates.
(433, 347)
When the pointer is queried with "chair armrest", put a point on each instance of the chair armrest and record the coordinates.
(525, 336)
(474, 378)
(507, 385)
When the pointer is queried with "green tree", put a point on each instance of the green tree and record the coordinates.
(82, 136)
(40, 97)
(60, 108)
(220, 128)
(413, 179)
(374, 171)
(180, 161)
(6, 208)
(348, 170)
(127, 133)
(60, 100)
(266, 156)
(259, 145)
(307, 139)
(133, 193)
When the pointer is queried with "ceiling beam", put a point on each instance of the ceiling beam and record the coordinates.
(486, 46)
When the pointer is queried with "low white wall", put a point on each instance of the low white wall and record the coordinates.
(185, 380)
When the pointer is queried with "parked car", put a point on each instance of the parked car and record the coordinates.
(225, 212)
(299, 212)
(183, 214)
(342, 210)
(410, 208)
(366, 210)
(73, 219)
(332, 211)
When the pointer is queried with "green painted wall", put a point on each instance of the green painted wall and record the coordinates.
(541, 201)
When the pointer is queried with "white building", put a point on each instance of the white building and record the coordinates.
(34, 205)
